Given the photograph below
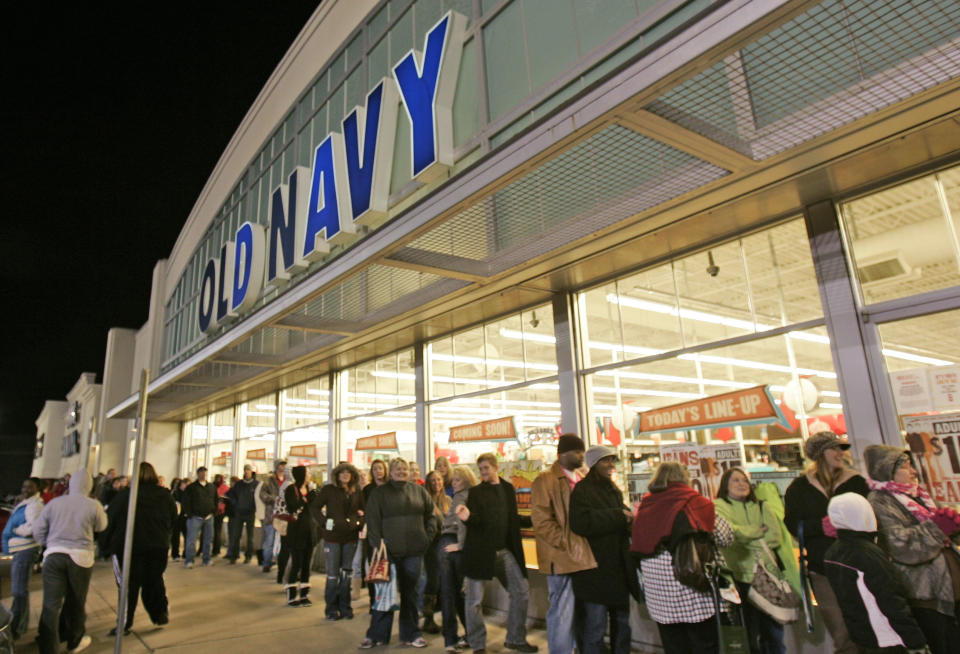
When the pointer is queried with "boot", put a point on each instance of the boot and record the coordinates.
(429, 604)
(292, 599)
(304, 592)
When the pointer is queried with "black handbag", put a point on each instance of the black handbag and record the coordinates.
(691, 556)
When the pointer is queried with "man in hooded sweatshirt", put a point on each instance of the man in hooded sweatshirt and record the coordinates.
(870, 592)
(66, 527)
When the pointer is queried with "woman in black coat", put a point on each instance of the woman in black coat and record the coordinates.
(154, 521)
(299, 538)
(598, 514)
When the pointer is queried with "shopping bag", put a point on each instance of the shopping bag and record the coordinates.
(386, 596)
(772, 594)
(380, 568)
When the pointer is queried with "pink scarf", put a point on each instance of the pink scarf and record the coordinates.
(908, 495)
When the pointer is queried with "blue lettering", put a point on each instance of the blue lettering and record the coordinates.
(208, 295)
(369, 155)
(328, 212)
(224, 281)
(427, 91)
(247, 267)
(286, 203)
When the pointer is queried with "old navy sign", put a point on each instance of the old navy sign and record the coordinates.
(349, 182)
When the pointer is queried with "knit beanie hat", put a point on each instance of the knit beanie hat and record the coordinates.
(852, 511)
(882, 461)
(570, 442)
(299, 474)
(597, 452)
(822, 441)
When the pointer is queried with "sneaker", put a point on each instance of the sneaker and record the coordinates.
(188, 565)
(208, 564)
(462, 644)
(522, 647)
(305, 602)
(450, 649)
(113, 632)
(332, 617)
(419, 643)
(366, 643)
(82, 645)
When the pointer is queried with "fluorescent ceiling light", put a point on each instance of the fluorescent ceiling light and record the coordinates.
(756, 365)
(527, 336)
(906, 356)
(267, 407)
(830, 405)
(647, 391)
(314, 391)
(264, 414)
(293, 400)
(672, 378)
(479, 361)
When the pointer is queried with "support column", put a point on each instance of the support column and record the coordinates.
(424, 438)
(333, 422)
(567, 364)
(854, 343)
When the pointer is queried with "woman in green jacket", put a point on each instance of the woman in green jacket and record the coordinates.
(754, 523)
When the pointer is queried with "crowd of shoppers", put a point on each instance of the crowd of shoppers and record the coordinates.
(882, 556)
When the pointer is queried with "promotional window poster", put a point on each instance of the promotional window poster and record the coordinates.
(934, 442)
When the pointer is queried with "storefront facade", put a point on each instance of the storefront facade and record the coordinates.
(571, 215)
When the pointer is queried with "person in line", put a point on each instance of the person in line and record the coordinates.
(199, 505)
(66, 527)
(871, 594)
(219, 515)
(105, 490)
(753, 523)
(921, 539)
(400, 514)
(431, 565)
(415, 475)
(669, 512)
(560, 552)
(492, 548)
(450, 561)
(806, 501)
(300, 539)
(155, 517)
(268, 493)
(597, 512)
(379, 475)
(242, 500)
(180, 527)
(442, 465)
(19, 541)
(339, 509)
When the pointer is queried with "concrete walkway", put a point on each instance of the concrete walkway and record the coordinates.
(236, 609)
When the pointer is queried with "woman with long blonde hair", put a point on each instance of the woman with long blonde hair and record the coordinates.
(449, 555)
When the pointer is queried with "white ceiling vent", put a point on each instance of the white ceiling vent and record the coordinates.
(888, 266)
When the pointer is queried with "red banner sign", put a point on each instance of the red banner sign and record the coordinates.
(257, 455)
(746, 407)
(501, 429)
(304, 450)
(386, 441)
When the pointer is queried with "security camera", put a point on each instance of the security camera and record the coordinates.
(534, 321)
(712, 268)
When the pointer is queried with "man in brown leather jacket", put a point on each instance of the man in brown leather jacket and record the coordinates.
(560, 552)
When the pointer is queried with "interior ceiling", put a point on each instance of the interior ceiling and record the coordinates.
(647, 181)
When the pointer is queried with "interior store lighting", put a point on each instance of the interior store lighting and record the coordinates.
(626, 374)
(266, 407)
(756, 365)
(293, 400)
(317, 391)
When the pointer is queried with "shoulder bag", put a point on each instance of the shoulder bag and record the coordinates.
(772, 594)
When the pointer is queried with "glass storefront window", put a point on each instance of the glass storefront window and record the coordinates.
(751, 285)
(402, 422)
(256, 451)
(922, 357)
(512, 350)
(797, 367)
(197, 432)
(905, 240)
(306, 404)
(535, 410)
(379, 384)
(259, 417)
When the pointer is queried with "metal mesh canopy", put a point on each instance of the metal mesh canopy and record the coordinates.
(608, 177)
(836, 63)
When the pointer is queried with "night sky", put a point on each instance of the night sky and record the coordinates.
(113, 119)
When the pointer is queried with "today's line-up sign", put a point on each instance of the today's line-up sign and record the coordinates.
(349, 182)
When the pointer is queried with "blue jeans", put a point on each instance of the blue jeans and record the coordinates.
(20, 570)
(595, 626)
(381, 622)
(268, 536)
(766, 634)
(339, 570)
(507, 571)
(194, 524)
(564, 624)
(451, 589)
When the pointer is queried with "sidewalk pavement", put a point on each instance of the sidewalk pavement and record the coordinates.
(237, 609)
